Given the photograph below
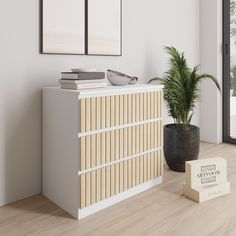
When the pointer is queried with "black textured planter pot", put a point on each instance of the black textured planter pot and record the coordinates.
(180, 145)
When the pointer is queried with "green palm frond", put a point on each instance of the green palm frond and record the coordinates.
(211, 77)
(181, 87)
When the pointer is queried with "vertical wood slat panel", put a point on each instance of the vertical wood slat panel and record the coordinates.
(121, 143)
(117, 144)
(93, 151)
(152, 154)
(159, 153)
(161, 163)
(108, 147)
(129, 141)
(148, 104)
(125, 175)
(149, 167)
(125, 111)
(112, 107)
(155, 146)
(159, 104)
(161, 130)
(155, 134)
(103, 148)
(98, 148)
(88, 184)
(149, 135)
(82, 153)
(156, 104)
(159, 135)
(145, 137)
(156, 162)
(152, 105)
(137, 161)
(141, 137)
(141, 107)
(152, 102)
(133, 138)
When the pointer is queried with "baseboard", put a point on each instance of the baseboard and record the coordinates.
(213, 141)
(82, 213)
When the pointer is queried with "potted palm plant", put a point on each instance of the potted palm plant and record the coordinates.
(181, 92)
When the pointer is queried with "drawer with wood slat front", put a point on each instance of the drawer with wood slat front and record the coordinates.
(121, 110)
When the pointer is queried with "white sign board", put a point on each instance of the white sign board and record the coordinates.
(206, 179)
(205, 172)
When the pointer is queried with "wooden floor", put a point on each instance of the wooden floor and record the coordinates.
(160, 211)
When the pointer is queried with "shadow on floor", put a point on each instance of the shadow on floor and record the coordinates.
(39, 205)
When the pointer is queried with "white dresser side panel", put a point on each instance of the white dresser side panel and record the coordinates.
(60, 149)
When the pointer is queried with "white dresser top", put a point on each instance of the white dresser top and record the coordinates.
(110, 90)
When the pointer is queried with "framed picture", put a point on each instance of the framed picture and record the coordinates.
(83, 27)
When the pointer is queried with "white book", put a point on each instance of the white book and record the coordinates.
(83, 86)
(64, 81)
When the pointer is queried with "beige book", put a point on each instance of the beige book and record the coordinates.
(66, 81)
(83, 86)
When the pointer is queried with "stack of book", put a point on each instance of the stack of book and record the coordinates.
(82, 80)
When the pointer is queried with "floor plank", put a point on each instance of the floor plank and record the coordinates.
(160, 211)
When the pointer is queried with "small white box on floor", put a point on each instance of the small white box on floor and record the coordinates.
(206, 179)
(204, 193)
(205, 172)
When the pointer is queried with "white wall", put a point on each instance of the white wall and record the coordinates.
(211, 62)
(147, 27)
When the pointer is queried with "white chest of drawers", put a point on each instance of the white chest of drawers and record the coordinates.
(101, 146)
